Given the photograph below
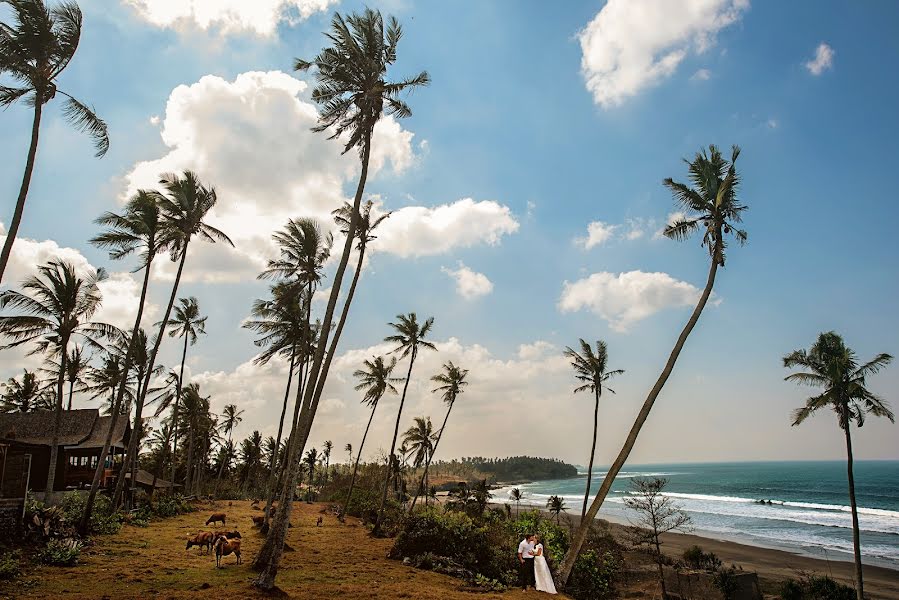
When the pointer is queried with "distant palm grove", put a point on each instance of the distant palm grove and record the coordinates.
(181, 446)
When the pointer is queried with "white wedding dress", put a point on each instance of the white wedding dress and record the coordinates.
(541, 572)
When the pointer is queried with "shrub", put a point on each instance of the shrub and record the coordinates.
(9, 565)
(43, 522)
(695, 558)
(104, 520)
(593, 576)
(61, 553)
(814, 587)
(725, 581)
(172, 506)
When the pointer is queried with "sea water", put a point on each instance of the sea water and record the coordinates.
(808, 512)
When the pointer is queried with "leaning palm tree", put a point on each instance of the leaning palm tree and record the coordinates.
(711, 206)
(186, 323)
(20, 396)
(409, 338)
(556, 506)
(375, 380)
(452, 381)
(55, 308)
(517, 496)
(832, 366)
(35, 48)
(352, 93)
(591, 369)
(420, 440)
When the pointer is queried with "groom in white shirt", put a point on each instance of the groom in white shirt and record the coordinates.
(526, 561)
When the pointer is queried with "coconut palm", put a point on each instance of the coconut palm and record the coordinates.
(54, 309)
(35, 48)
(326, 454)
(352, 93)
(196, 420)
(251, 459)
(310, 460)
(375, 379)
(452, 381)
(21, 396)
(591, 368)
(78, 365)
(556, 506)
(711, 206)
(834, 368)
(409, 338)
(103, 382)
(420, 440)
(517, 496)
(231, 418)
(186, 323)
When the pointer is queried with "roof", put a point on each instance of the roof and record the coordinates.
(146, 478)
(81, 428)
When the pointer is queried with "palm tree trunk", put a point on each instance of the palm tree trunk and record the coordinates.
(84, 527)
(349, 496)
(57, 419)
(269, 486)
(592, 452)
(23, 189)
(179, 388)
(396, 430)
(218, 477)
(424, 475)
(71, 391)
(269, 556)
(856, 544)
(580, 535)
(189, 479)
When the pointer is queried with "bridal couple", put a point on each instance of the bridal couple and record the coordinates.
(533, 565)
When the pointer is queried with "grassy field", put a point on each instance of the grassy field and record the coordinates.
(333, 561)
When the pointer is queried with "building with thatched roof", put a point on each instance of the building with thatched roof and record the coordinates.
(25, 440)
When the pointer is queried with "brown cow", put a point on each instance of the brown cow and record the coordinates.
(204, 538)
(215, 518)
(224, 547)
(228, 534)
(258, 521)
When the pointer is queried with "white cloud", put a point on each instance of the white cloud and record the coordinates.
(632, 44)
(636, 229)
(823, 59)
(425, 231)
(469, 284)
(701, 75)
(626, 298)
(228, 16)
(250, 138)
(535, 350)
(598, 233)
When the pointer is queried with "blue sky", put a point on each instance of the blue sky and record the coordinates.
(545, 140)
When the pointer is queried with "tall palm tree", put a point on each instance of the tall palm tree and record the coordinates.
(310, 460)
(78, 365)
(352, 93)
(452, 381)
(251, 459)
(420, 440)
(231, 418)
(591, 369)
(35, 48)
(55, 308)
(712, 206)
(326, 454)
(409, 338)
(834, 367)
(103, 382)
(196, 419)
(375, 379)
(556, 506)
(517, 496)
(186, 323)
(20, 396)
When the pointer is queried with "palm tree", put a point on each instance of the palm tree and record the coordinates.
(420, 440)
(409, 338)
(21, 397)
(187, 323)
(231, 417)
(34, 51)
(55, 309)
(103, 382)
(251, 457)
(196, 420)
(591, 368)
(451, 381)
(139, 229)
(711, 205)
(77, 366)
(556, 506)
(353, 93)
(375, 380)
(310, 461)
(326, 453)
(832, 366)
(348, 448)
(517, 496)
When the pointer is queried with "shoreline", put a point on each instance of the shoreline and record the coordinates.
(771, 564)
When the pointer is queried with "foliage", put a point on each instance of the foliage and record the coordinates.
(9, 565)
(594, 575)
(171, 506)
(60, 552)
(815, 587)
(518, 468)
(725, 581)
(104, 520)
(695, 558)
(43, 522)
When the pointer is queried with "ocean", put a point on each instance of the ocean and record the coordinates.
(808, 514)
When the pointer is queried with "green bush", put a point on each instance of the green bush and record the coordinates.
(104, 520)
(814, 587)
(9, 565)
(725, 581)
(593, 576)
(60, 553)
(172, 506)
(695, 558)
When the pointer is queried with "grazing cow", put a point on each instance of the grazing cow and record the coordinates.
(215, 518)
(258, 521)
(319, 522)
(224, 547)
(228, 534)
(204, 538)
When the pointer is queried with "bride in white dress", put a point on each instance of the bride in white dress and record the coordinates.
(542, 574)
